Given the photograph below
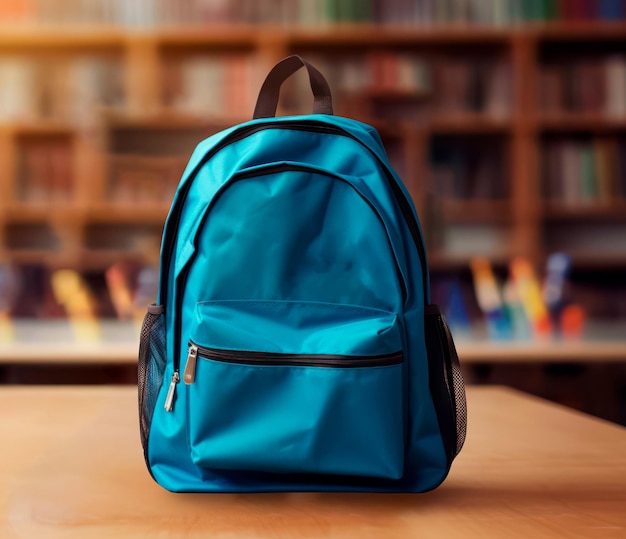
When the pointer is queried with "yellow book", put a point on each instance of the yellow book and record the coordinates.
(71, 291)
(529, 292)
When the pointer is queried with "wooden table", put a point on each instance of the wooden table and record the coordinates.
(71, 467)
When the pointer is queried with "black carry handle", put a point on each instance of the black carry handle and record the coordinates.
(267, 101)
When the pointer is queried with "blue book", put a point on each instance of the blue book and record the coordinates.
(612, 9)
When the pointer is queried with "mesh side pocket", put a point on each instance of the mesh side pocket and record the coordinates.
(151, 366)
(457, 390)
(446, 382)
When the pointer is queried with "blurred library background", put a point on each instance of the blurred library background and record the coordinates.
(505, 118)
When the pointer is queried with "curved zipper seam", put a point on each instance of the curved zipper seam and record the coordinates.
(242, 175)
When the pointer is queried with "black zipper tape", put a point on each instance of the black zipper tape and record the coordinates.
(301, 360)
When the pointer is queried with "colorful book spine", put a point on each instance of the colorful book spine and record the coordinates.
(530, 294)
(71, 291)
(583, 171)
(153, 13)
(489, 299)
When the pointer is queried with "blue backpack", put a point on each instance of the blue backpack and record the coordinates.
(293, 346)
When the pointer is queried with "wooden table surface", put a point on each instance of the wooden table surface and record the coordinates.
(71, 467)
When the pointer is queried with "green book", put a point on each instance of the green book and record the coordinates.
(587, 173)
(532, 10)
(514, 13)
(549, 10)
(362, 10)
(332, 10)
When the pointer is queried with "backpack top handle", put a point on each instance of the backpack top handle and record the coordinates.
(267, 101)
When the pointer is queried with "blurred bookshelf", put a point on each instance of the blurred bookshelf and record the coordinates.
(505, 118)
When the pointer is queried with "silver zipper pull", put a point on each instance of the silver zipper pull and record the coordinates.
(169, 399)
(189, 376)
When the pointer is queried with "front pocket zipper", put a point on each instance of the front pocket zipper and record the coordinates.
(272, 358)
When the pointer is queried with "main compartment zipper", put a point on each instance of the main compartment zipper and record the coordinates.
(312, 126)
(242, 357)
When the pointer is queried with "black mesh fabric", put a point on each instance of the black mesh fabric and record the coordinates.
(151, 365)
(457, 390)
(461, 405)
(446, 382)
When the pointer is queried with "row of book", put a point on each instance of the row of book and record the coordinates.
(446, 85)
(467, 169)
(586, 85)
(479, 85)
(306, 12)
(215, 86)
(45, 170)
(143, 179)
(46, 174)
(378, 71)
(58, 88)
(584, 170)
(123, 291)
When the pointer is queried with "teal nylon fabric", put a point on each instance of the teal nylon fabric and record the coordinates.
(296, 327)
(285, 238)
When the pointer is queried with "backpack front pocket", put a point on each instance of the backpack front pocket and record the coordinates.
(289, 387)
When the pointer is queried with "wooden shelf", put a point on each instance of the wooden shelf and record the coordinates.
(401, 94)
(473, 124)
(442, 261)
(583, 259)
(169, 119)
(615, 210)
(372, 35)
(36, 212)
(476, 211)
(115, 212)
(222, 35)
(55, 37)
(579, 31)
(581, 122)
(42, 127)
(47, 257)
(101, 259)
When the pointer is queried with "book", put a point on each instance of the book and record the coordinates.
(72, 292)
(587, 189)
(615, 68)
(590, 169)
(612, 9)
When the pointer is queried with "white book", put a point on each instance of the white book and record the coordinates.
(86, 91)
(107, 11)
(128, 13)
(91, 12)
(514, 11)
(306, 13)
(203, 83)
(500, 15)
(353, 75)
(615, 69)
(498, 96)
(213, 11)
(17, 89)
(571, 177)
